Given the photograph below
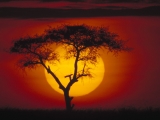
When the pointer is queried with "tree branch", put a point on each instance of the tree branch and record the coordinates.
(76, 64)
(69, 76)
(75, 71)
(31, 63)
(82, 75)
(83, 72)
(53, 75)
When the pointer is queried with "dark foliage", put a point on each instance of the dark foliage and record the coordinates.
(80, 37)
(32, 50)
(83, 36)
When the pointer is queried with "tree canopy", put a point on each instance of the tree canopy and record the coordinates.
(79, 38)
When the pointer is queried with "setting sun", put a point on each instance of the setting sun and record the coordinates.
(83, 59)
(64, 67)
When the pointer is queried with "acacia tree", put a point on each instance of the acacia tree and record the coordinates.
(81, 42)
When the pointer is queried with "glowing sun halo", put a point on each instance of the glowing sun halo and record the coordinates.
(65, 67)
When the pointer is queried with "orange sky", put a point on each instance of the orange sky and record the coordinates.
(131, 79)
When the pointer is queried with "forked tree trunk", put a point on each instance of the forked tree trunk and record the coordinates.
(68, 100)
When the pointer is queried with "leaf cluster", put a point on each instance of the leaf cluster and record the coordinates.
(33, 50)
(81, 41)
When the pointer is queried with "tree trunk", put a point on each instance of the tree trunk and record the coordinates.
(68, 100)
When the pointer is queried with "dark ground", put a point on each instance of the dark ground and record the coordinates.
(121, 114)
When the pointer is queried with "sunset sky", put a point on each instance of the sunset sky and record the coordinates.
(68, 5)
(131, 79)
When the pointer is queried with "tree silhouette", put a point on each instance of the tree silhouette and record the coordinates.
(81, 42)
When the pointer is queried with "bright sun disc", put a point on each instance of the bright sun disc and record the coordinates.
(65, 67)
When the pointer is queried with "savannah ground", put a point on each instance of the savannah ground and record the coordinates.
(92, 114)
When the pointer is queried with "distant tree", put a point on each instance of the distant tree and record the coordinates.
(81, 42)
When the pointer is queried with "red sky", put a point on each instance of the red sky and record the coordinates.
(67, 5)
(131, 79)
